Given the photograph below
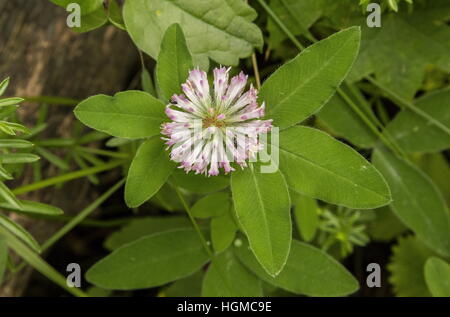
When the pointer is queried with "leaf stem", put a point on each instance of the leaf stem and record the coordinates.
(256, 71)
(401, 102)
(281, 25)
(194, 223)
(81, 216)
(67, 177)
(52, 100)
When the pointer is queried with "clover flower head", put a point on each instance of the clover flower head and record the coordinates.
(211, 131)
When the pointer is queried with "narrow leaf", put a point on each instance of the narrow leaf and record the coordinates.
(226, 277)
(416, 201)
(437, 276)
(223, 231)
(309, 271)
(129, 114)
(213, 205)
(150, 261)
(263, 209)
(20, 232)
(302, 86)
(148, 172)
(33, 207)
(321, 167)
(174, 62)
(141, 227)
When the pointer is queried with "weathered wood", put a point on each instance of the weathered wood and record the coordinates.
(44, 57)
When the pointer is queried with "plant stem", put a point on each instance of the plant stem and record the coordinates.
(67, 177)
(401, 102)
(38, 263)
(194, 223)
(281, 25)
(256, 71)
(81, 216)
(103, 152)
(52, 100)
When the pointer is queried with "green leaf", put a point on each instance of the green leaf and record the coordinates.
(218, 29)
(308, 271)
(437, 276)
(93, 14)
(19, 232)
(149, 170)
(52, 158)
(3, 85)
(141, 227)
(8, 196)
(115, 15)
(416, 201)
(262, 207)
(406, 267)
(10, 101)
(190, 286)
(337, 116)
(18, 158)
(32, 207)
(386, 226)
(223, 231)
(33, 259)
(3, 257)
(150, 261)
(213, 205)
(147, 82)
(302, 86)
(165, 199)
(226, 277)
(306, 217)
(408, 41)
(321, 167)
(174, 62)
(129, 114)
(437, 168)
(414, 134)
(5, 174)
(15, 144)
(200, 184)
(296, 15)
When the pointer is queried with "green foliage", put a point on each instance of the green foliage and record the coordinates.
(414, 134)
(406, 267)
(306, 216)
(174, 62)
(414, 42)
(265, 221)
(223, 231)
(20, 232)
(318, 70)
(345, 228)
(227, 277)
(220, 30)
(416, 201)
(151, 261)
(345, 81)
(129, 114)
(437, 276)
(318, 166)
(3, 257)
(308, 271)
(214, 205)
(151, 160)
(142, 227)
